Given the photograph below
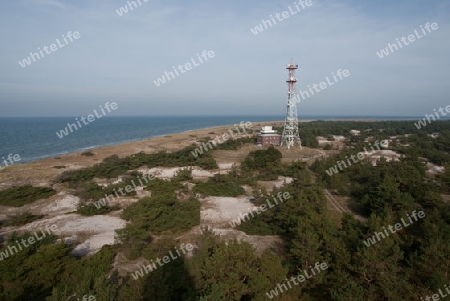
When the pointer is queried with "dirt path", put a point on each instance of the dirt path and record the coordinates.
(335, 203)
(342, 208)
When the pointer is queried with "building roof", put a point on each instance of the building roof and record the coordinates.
(267, 130)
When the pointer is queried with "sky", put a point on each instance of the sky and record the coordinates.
(119, 58)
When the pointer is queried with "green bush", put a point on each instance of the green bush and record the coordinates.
(162, 213)
(91, 209)
(59, 166)
(90, 191)
(21, 195)
(30, 273)
(219, 185)
(184, 174)
(293, 169)
(234, 144)
(257, 227)
(159, 213)
(260, 159)
(266, 162)
(113, 166)
(163, 187)
(87, 154)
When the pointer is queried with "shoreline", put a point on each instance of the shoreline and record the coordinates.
(89, 148)
(63, 152)
(42, 172)
(117, 144)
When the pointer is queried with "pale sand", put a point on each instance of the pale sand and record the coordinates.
(270, 185)
(434, 169)
(217, 213)
(389, 155)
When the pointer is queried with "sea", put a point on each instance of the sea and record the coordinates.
(35, 138)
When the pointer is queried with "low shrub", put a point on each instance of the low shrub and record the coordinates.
(183, 174)
(113, 166)
(21, 195)
(91, 209)
(219, 185)
(87, 154)
(163, 213)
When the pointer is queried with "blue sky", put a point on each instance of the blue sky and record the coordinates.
(117, 58)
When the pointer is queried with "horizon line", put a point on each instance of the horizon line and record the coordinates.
(233, 115)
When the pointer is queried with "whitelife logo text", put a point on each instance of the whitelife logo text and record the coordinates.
(90, 118)
(391, 48)
(280, 17)
(27, 61)
(11, 250)
(199, 150)
(397, 227)
(167, 75)
(166, 259)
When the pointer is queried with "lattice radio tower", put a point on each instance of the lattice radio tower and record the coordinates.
(290, 131)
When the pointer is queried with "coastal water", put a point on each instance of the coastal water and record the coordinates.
(35, 138)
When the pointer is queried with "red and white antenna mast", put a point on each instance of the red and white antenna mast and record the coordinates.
(290, 132)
